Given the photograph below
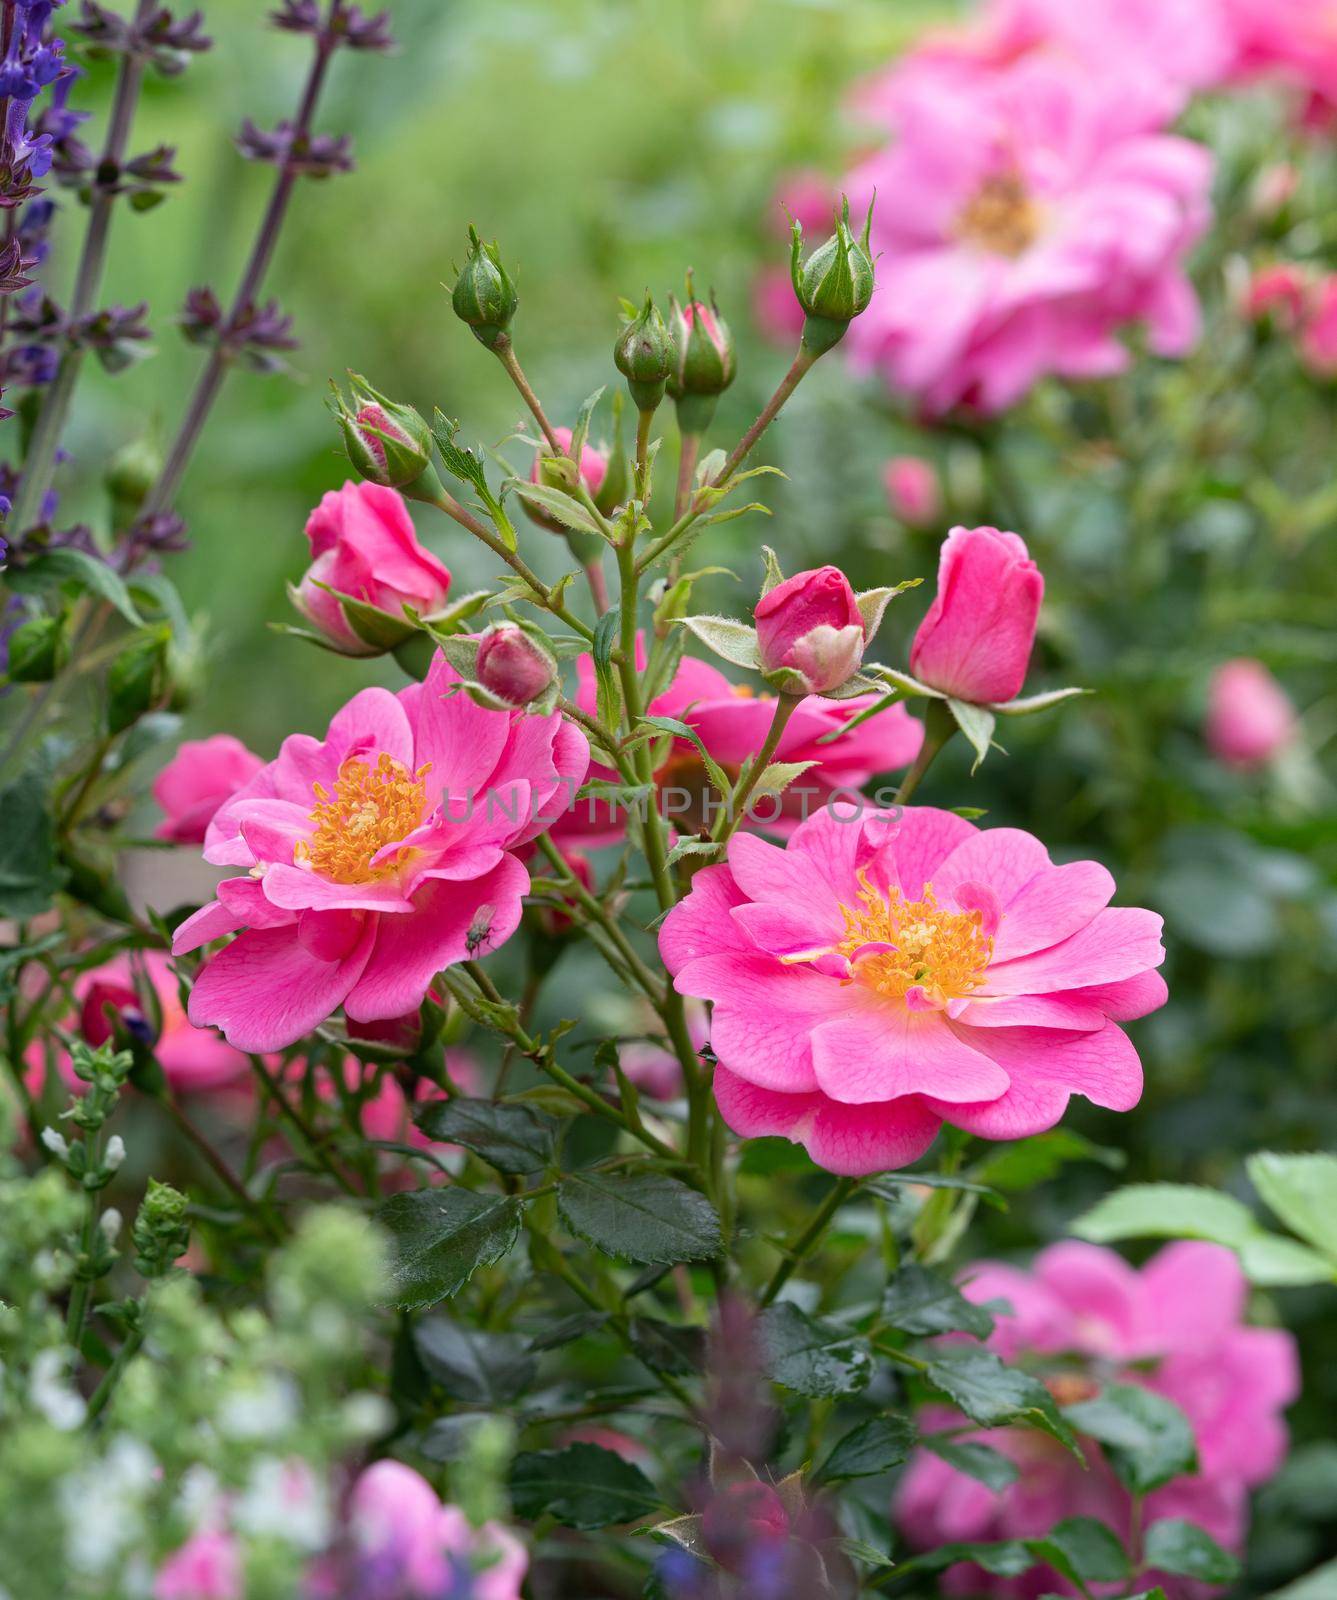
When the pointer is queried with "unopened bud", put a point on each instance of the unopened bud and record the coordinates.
(484, 295)
(38, 650)
(161, 1233)
(56, 1143)
(138, 680)
(810, 634)
(704, 360)
(387, 443)
(643, 355)
(115, 1153)
(131, 474)
(835, 284)
(513, 665)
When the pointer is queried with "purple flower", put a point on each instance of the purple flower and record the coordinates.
(348, 24)
(315, 154)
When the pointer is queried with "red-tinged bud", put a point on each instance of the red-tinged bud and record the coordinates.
(810, 634)
(109, 1009)
(704, 359)
(387, 443)
(513, 665)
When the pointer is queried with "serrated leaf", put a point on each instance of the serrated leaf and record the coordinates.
(977, 723)
(1146, 1438)
(646, 1217)
(515, 1139)
(482, 1365)
(681, 730)
(873, 603)
(811, 1356)
(1276, 1263)
(67, 565)
(580, 433)
(558, 504)
(979, 1461)
(1173, 1545)
(1091, 1551)
(582, 1486)
(609, 700)
(991, 1393)
(778, 776)
(30, 873)
(732, 641)
(1302, 1191)
(921, 1301)
(461, 464)
(440, 1237)
(874, 1447)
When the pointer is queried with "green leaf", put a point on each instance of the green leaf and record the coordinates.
(515, 1139)
(641, 1216)
(735, 642)
(80, 571)
(991, 1393)
(873, 1447)
(1320, 1584)
(30, 873)
(461, 464)
(810, 1356)
(1035, 702)
(919, 1300)
(1302, 1191)
(977, 723)
(778, 776)
(668, 1346)
(481, 1365)
(1277, 1263)
(1027, 1162)
(558, 504)
(979, 1461)
(681, 730)
(440, 1237)
(1188, 1551)
(1167, 1211)
(605, 637)
(873, 603)
(1147, 1438)
(1090, 1549)
(582, 1486)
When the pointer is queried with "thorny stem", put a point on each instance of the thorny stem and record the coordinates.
(592, 908)
(736, 809)
(796, 1253)
(40, 461)
(310, 1137)
(262, 252)
(791, 380)
(504, 350)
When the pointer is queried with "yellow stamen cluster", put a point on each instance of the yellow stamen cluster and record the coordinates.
(1001, 216)
(370, 808)
(946, 953)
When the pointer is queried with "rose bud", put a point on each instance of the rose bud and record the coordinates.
(196, 781)
(484, 295)
(912, 490)
(704, 360)
(810, 635)
(1250, 718)
(1318, 341)
(387, 443)
(593, 467)
(363, 545)
(1279, 295)
(975, 642)
(835, 284)
(513, 665)
(643, 355)
(110, 1009)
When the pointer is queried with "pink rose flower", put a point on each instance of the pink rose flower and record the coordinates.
(196, 781)
(1039, 210)
(811, 626)
(1280, 293)
(363, 544)
(1318, 336)
(407, 1543)
(912, 490)
(732, 722)
(1250, 718)
(975, 640)
(1294, 41)
(206, 1567)
(374, 858)
(887, 972)
(1176, 1327)
(194, 1060)
(593, 471)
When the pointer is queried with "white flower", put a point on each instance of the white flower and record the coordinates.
(52, 1395)
(56, 1143)
(115, 1153)
(285, 1501)
(110, 1223)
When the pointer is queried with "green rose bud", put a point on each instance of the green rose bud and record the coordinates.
(643, 355)
(484, 295)
(835, 284)
(387, 443)
(704, 360)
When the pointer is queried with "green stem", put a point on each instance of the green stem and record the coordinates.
(130, 1347)
(643, 422)
(313, 1141)
(798, 368)
(796, 1253)
(592, 908)
(939, 726)
(221, 1170)
(736, 809)
(82, 1288)
(504, 350)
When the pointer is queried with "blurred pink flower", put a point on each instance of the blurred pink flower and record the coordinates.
(1037, 211)
(1250, 718)
(374, 858)
(1318, 334)
(196, 781)
(976, 638)
(810, 625)
(912, 490)
(1294, 41)
(732, 722)
(887, 972)
(363, 544)
(206, 1567)
(593, 470)
(1281, 293)
(1175, 1327)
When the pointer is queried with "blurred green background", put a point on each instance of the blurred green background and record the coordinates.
(610, 144)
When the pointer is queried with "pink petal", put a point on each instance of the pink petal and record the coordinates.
(208, 923)
(700, 924)
(764, 1016)
(1195, 1293)
(300, 889)
(1118, 943)
(373, 723)
(1103, 1293)
(883, 1051)
(1058, 902)
(462, 741)
(925, 837)
(1127, 999)
(792, 878)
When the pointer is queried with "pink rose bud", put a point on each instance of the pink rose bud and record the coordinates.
(810, 625)
(1273, 190)
(514, 666)
(363, 545)
(593, 468)
(1279, 294)
(206, 1567)
(975, 642)
(912, 490)
(196, 781)
(1318, 342)
(111, 1008)
(1250, 718)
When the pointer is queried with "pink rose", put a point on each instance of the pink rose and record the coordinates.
(912, 490)
(1250, 718)
(196, 781)
(975, 641)
(1280, 293)
(514, 667)
(363, 544)
(810, 626)
(1318, 338)
(1175, 1327)
(887, 972)
(374, 858)
(206, 1567)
